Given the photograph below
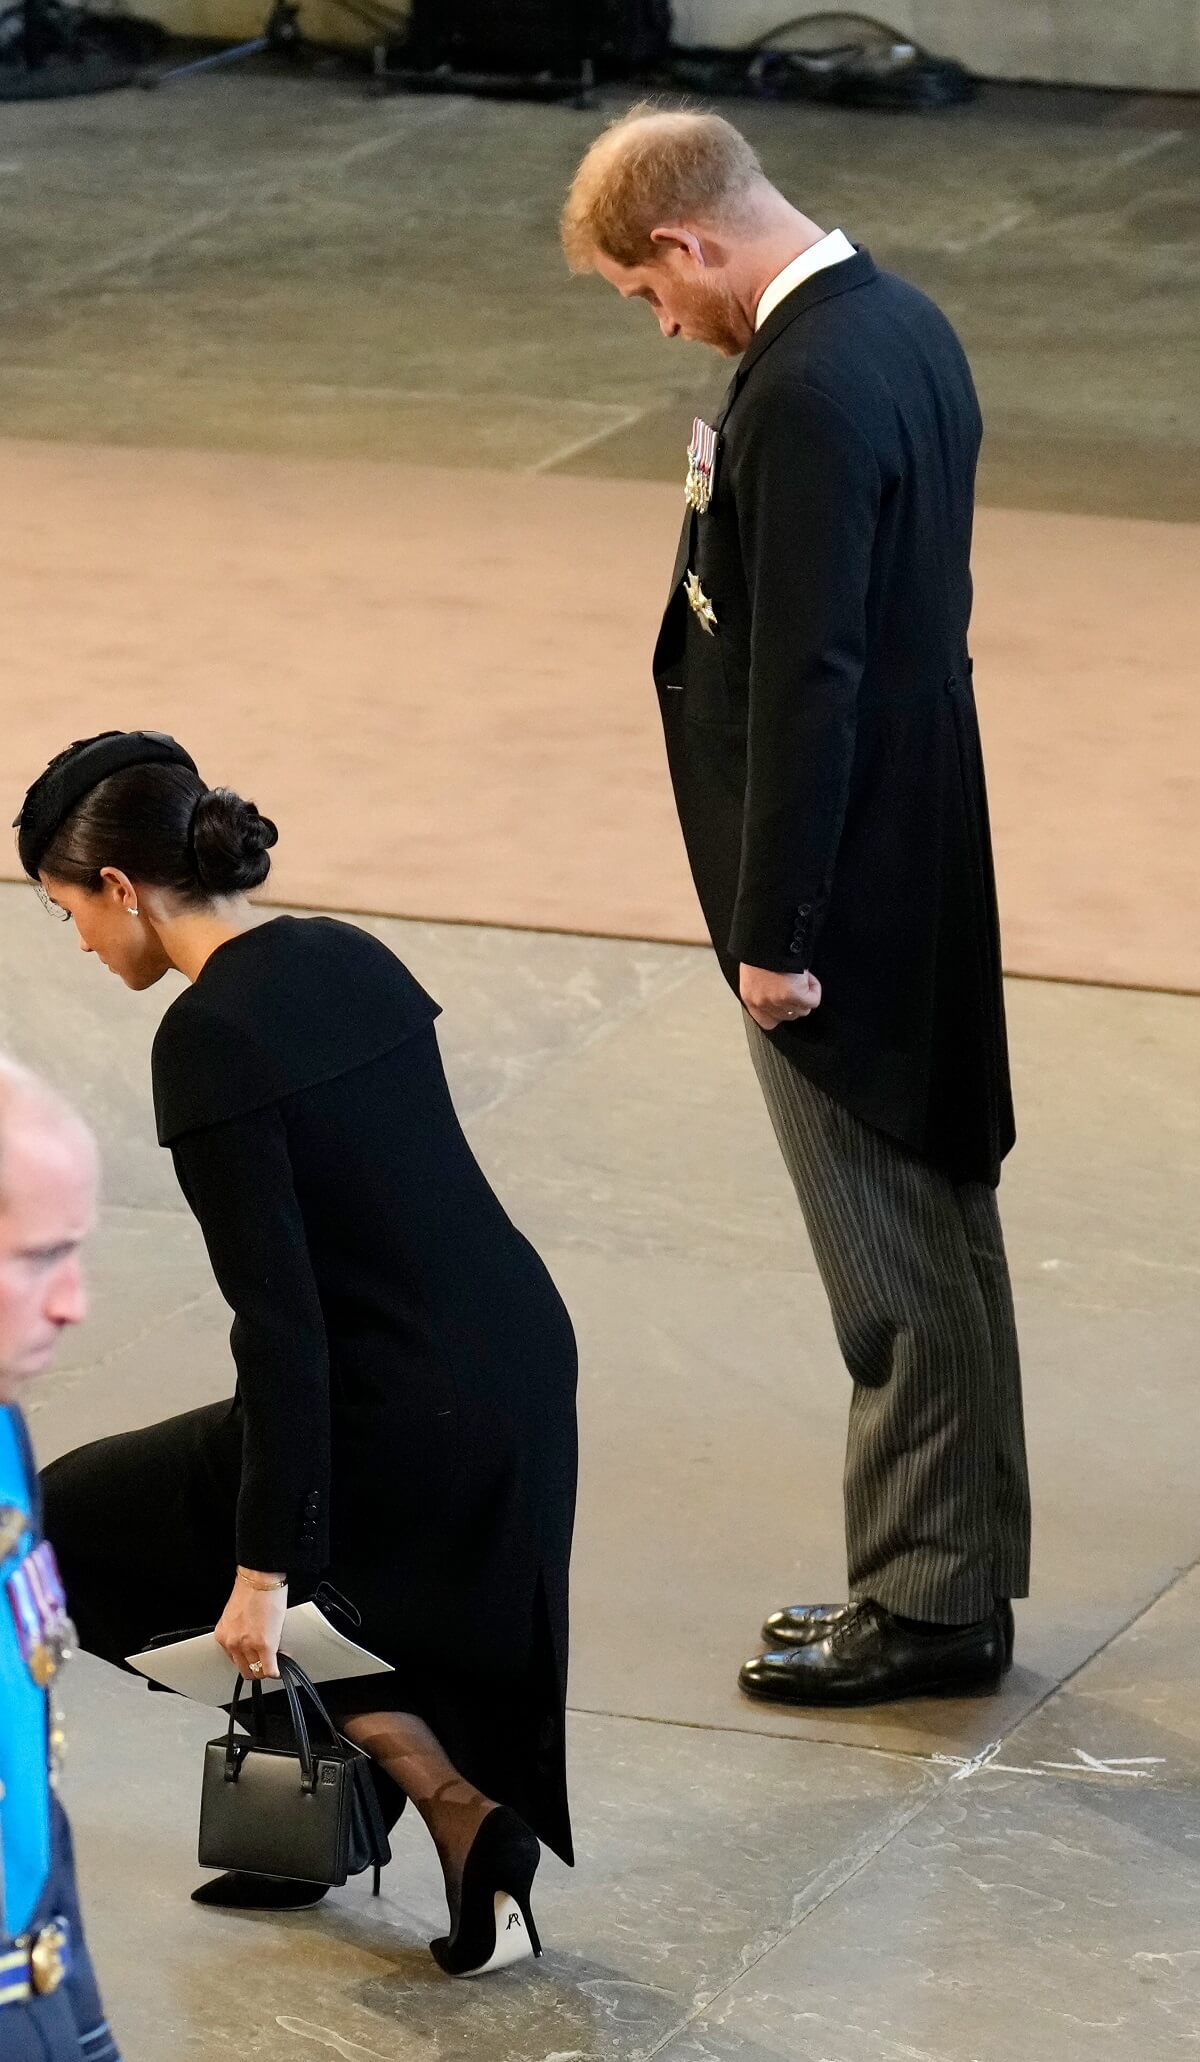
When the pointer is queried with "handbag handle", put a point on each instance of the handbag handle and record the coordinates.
(291, 1674)
(294, 1681)
(234, 1749)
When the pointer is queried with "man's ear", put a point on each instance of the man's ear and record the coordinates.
(673, 237)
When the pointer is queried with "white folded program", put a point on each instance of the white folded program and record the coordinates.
(197, 1667)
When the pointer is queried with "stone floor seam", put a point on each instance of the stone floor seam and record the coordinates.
(979, 1762)
(1085, 182)
(1115, 987)
(311, 389)
(591, 442)
(140, 257)
(833, 1744)
(843, 1875)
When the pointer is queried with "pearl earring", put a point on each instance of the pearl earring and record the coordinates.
(133, 911)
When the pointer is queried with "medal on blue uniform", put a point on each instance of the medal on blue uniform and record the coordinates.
(14, 1523)
(702, 465)
(38, 1604)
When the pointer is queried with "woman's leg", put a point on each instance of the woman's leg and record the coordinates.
(143, 1527)
(452, 1808)
(488, 1854)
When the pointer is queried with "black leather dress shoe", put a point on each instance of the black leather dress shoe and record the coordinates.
(797, 1625)
(869, 1657)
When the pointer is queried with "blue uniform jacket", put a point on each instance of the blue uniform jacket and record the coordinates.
(37, 1868)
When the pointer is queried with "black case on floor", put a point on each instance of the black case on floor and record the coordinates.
(502, 36)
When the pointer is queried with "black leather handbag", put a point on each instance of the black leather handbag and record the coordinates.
(301, 1808)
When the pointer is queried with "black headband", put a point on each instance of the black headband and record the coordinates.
(75, 773)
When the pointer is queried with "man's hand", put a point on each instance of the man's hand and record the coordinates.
(773, 999)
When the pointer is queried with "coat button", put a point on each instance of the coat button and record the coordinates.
(950, 683)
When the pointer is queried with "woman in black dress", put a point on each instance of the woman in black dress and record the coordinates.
(404, 1419)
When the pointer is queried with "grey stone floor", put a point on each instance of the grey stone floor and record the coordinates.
(263, 262)
(1002, 1880)
(278, 264)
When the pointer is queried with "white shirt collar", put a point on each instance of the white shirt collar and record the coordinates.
(832, 250)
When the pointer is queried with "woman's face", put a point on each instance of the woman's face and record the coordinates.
(106, 923)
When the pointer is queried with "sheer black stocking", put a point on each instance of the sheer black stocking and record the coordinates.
(415, 1759)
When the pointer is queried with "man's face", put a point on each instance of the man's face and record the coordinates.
(686, 298)
(47, 1209)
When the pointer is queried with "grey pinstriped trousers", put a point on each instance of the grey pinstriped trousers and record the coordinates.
(913, 1264)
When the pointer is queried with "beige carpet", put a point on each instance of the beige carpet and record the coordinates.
(438, 682)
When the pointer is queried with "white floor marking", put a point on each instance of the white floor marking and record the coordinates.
(325, 2037)
(1135, 1767)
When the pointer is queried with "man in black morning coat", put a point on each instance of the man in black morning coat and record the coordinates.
(816, 694)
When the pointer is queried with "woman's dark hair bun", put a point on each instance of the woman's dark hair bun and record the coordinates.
(230, 842)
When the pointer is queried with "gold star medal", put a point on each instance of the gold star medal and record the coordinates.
(699, 604)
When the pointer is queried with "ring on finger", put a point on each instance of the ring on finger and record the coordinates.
(256, 1668)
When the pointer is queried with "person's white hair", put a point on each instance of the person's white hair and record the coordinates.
(26, 1099)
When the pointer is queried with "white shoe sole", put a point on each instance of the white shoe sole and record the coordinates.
(512, 1940)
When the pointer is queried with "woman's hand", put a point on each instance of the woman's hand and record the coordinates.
(251, 1625)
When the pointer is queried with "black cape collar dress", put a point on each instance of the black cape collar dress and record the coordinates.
(406, 1367)
(280, 1046)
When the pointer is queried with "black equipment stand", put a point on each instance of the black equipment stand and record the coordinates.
(283, 37)
(281, 33)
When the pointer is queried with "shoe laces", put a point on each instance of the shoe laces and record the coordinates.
(850, 1623)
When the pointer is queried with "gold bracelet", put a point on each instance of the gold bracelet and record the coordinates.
(243, 1577)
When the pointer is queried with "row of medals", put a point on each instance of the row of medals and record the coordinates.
(697, 494)
(47, 1657)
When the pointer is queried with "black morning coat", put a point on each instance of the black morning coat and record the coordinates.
(822, 738)
(405, 1415)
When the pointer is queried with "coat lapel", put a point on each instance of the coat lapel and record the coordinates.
(823, 286)
(727, 403)
(684, 553)
(687, 533)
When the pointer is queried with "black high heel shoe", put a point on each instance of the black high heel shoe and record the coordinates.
(236, 1891)
(493, 1926)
